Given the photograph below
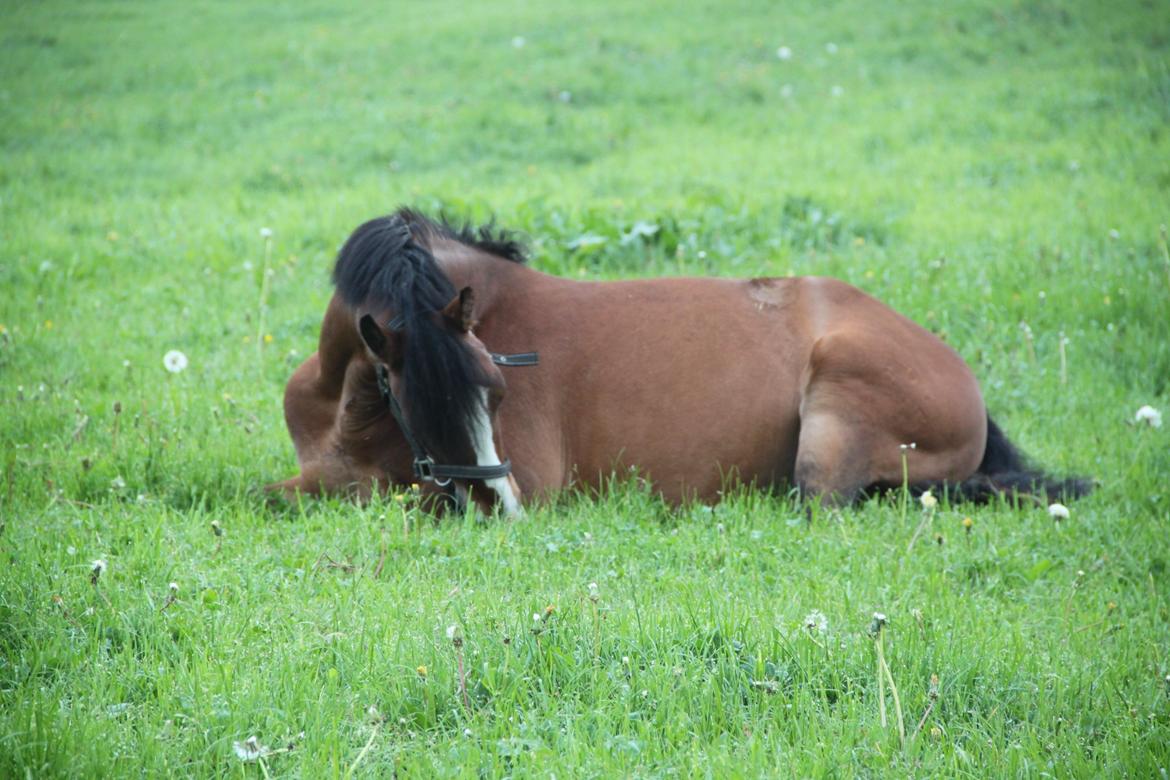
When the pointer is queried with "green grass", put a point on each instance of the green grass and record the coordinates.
(981, 166)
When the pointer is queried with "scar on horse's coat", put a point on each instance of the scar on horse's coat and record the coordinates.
(800, 382)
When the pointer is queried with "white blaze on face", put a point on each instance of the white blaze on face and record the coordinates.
(486, 455)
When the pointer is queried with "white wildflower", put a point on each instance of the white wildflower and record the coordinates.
(174, 588)
(518, 42)
(98, 568)
(1149, 415)
(831, 47)
(265, 232)
(784, 53)
(250, 749)
(816, 621)
(1058, 512)
(175, 361)
(928, 500)
(594, 592)
(837, 90)
(453, 632)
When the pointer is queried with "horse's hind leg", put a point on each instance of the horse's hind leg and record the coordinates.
(832, 459)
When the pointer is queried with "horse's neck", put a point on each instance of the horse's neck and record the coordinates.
(489, 276)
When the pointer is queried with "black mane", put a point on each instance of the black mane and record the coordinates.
(387, 266)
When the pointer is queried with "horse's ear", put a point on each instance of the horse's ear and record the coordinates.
(380, 342)
(460, 312)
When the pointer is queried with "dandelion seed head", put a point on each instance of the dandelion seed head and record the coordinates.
(784, 53)
(265, 232)
(175, 361)
(1148, 415)
(1058, 512)
(250, 749)
(173, 587)
(928, 500)
(816, 621)
(518, 42)
(454, 634)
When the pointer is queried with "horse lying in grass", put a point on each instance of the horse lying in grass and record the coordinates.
(780, 383)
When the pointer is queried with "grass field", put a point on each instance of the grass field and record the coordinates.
(998, 171)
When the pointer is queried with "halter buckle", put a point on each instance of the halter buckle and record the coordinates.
(424, 469)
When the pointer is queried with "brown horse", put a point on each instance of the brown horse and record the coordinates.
(696, 383)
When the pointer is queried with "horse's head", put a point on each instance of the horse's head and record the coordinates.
(441, 384)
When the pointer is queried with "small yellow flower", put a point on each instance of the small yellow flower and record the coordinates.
(267, 338)
(422, 671)
(968, 524)
(112, 236)
(549, 610)
(48, 324)
(1112, 605)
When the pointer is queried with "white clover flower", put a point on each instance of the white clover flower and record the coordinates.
(816, 621)
(175, 361)
(265, 232)
(453, 632)
(518, 42)
(250, 749)
(174, 588)
(1058, 512)
(535, 617)
(928, 500)
(1148, 415)
(784, 53)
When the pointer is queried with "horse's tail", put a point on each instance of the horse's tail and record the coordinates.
(1005, 472)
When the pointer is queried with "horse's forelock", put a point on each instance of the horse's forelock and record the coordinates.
(385, 266)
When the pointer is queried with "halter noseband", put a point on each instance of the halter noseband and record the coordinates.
(424, 466)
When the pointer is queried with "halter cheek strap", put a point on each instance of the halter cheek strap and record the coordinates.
(424, 466)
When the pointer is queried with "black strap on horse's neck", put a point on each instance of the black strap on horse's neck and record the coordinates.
(424, 466)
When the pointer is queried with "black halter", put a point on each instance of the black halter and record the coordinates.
(425, 468)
